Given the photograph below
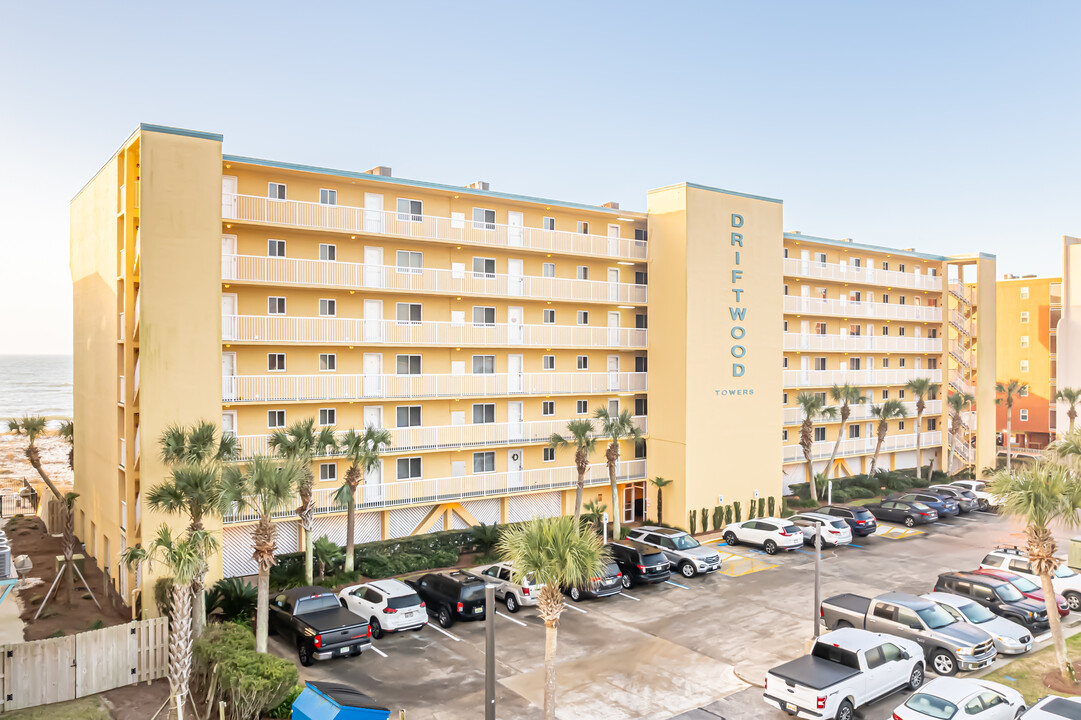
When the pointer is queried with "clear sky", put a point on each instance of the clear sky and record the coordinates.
(951, 127)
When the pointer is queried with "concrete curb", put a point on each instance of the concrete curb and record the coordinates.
(743, 675)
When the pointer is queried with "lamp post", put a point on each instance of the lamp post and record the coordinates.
(818, 575)
(489, 652)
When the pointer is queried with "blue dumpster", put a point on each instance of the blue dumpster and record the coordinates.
(334, 701)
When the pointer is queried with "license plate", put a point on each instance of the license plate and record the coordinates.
(790, 707)
(478, 610)
(343, 651)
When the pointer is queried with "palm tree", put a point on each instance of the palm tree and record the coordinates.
(33, 426)
(266, 486)
(923, 389)
(362, 451)
(1043, 494)
(846, 395)
(559, 556)
(1011, 389)
(301, 441)
(885, 412)
(813, 407)
(183, 558)
(67, 431)
(958, 401)
(69, 543)
(594, 513)
(201, 443)
(580, 436)
(660, 483)
(1070, 396)
(327, 553)
(615, 428)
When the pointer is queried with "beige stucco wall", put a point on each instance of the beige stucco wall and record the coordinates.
(986, 334)
(1069, 326)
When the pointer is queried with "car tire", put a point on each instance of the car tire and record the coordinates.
(915, 680)
(731, 539)
(512, 603)
(943, 663)
(770, 547)
(377, 629)
(686, 569)
(845, 711)
(1020, 712)
(1073, 600)
(910, 521)
(840, 624)
(626, 581)
(575, 594)
(444, 617)
(304, 654)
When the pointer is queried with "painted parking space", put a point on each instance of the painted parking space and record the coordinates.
(737, 565)
(896, 532)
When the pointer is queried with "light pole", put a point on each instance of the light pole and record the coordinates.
(818, 576)
(489, 652)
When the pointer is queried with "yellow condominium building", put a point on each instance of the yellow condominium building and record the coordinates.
(473, 324)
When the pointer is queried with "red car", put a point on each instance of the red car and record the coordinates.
(1026, 587)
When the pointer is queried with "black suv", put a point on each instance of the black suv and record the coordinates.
(608, 582)
(640, 564)
(998, 596)
(858, 518)
(453, 595)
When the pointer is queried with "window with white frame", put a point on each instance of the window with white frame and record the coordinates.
(408, 313)
(853, 431)
(275, 248)
(784, 436)
(583, 362)
(328, 251)
(483, 364)
(483, 413)
(275, 419)
(1024, 414)
(328, 362)
(408, 364)
(548, 223)
(407, 416)
(1024, 317)
(583, 227)
(548, 362)
(548, 408)
(901, 394)
(1024, 341)
(410, 210)
(327, 307)
(901, 425)
(328, 417)
(275, 306)
(642, 235)
(583, 272)
(901, 331)
(328, 196)
(932, 423)
(1024, 293)
(901, 267)
(549, 454)
(483, 316)
(484, 462)
(885, 363)
(548, 270)
(483, 219)
(582, 407)
(548, 316)
(328, 471)
(484, 267)
(409, 468)
(900, 363)
(1024, 366)
(1023, 391)
(885, 394)
(275, 191)
(410, 262)
(820, 434)
(820, 363)
(275, 362)
(784, 363)
(583, 317)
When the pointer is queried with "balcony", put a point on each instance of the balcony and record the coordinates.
(457, 230)
(121, 395)
(358, 331)
(123, 452)
(121, 331)
(864, 446)
(847, 308)
(828, 378)
(862, 412)
(861, 343)
(331, 386)
(448, 437)
(354, 276)
(853, 274)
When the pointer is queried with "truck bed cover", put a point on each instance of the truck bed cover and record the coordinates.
(850, 601)
(812, 672)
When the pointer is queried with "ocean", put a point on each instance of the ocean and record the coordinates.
(35, 384)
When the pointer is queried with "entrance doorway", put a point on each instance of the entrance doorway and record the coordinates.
(633, 502)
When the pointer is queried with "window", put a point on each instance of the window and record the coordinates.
(328, 416)
(275, 306)
(885, 265)
(641, 364)
(901, 425)
(820, 257)
(900, 267)
(583, 272)
(548, 407)
(784, 436)
(885, 362)
(483, 316)
(902, 300)
(885, 394)
(641, 407)
(407, 416)
(784, 398)
(901, 331)
(1024, 293)
(784, 363)
(328, 252)
(641, 277)
(885, 299)
(328, 308)
(854, 330)
(583, 362)
(548, 362)
(549, 454)
(483, 462)
(484, 267)
(820, 363)
(582, 407)
(483, 413)
(875, 658)
(583, 317)
(483, 219)
(885, 329)
(853, 431)
(820, 434)
(410, 262)
(901, 362)
(408, 364)
(1024, 366)
(784, 326)
(1024, 341)
(786, 289)
(548, 223)
(410, 210)
(275, 419)
(548, 270)
(408, 313)
(328, 197)
(1023, 391)
(854, 363)
(901, 394)
(1024, 317)
(328, 362)
(548, 316)
(932, 423)
(1024, 414)
(583, 227)
(856, 262)
(275, 191)
(641, 321)
(483, 364)
(821, 396)
(409, 468)
(328, 471)
(641, 234)
(275, 248)
(275, 362)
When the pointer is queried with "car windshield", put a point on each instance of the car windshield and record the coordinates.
(1023, 584)
(1064, 572)
(839, 524)
(977, 613)
(1008, 593)
(935, 617)
(791, 529)
(684, 542)
(653, 559)
(471, 593)
(920, 506)
(968, 495)
(317, 603)
(403, 601)
(611, 570)
(863, 514)
(931, 706)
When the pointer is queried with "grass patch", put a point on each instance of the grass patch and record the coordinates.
(1028, 671)
(58, 633)
(85, 709)
(36, 600)
(46, 613)
(97, 625)
(87, 596)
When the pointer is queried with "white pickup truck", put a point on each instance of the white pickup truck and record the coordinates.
(846, 670)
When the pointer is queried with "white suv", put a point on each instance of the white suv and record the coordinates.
(513, 594)
(771, 534)
(978, 488)
(1064, 580)
(388, 606)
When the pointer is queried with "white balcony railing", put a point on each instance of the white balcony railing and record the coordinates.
(121, 394)
(123, 514)
(135, 389)
(861, 412)
(853, 274)
(961, 448)
(959, 384)
(439, 437)
(344, 218)
(349, 331)
(864, 446)
(848, 308)
(462, 487)
(123, 452)
(122, 329)
(138, 446)
(826, 378)
(332, 386)
(861, 343)
(326, 273)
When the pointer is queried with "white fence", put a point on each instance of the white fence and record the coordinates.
(861, 343)
(861, 309)
(862, 411)
(826, 378)
(864, 446)
(859, 274)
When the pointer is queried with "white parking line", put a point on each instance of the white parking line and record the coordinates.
(375, 649)
(1041, 638)
(572, 606)
(629, 597)
(452, 637)
(677, 585)
(508, 617)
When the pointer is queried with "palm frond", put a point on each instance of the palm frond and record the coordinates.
(554, 550)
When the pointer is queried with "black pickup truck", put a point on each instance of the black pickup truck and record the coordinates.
(314, 619)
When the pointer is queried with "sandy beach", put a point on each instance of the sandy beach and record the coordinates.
(14, 467)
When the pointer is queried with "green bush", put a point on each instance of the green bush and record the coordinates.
(694, 522)
(235, 598)
(860, 492)
(485, 536)
(801, 490)
(705, 520)
(736, 510)
(751, 507)
(772, 503)
(840, 495)
(250, 683)
(285, 709)
(761, 507)
(718, 517)
(728, 514)
(380, 566)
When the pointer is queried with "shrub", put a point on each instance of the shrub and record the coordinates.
(736, 510)
(624, 531)
(840, 495)
(485, 537)
(761, 507)
(860, 492)
(705, 520)
(751, 507)
(327, 554)
(728, 514)
(718, 517)
(235, 598)
(163, 588)
(801, 490)
(380, 566)
(250, 683)
(772, 503)
(285, 709)
(97, 625)
(694, 522)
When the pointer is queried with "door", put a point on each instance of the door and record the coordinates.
(613, 240)
(373, 375)
(613, 372)
(373, 416)
(373, 321)
(804, 261)
(515, 329)
(228, 196)
(373, 213)
(228, 376)
(228, 423)
(514, 420)
(228, 257)
(804, 370)
(613, 284)
(628, 503)
(373, 480)
(613, 329)
(804, 334)
(514, 468)
(228, 316)
(514, 229)
(514, 373)
(373, 267)
(514, 276)
(805, 298)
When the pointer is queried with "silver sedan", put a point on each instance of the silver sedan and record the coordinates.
(1010, 638)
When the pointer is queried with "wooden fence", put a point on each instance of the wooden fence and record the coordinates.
(65, 668)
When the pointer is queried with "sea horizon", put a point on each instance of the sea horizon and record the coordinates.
(36, 384)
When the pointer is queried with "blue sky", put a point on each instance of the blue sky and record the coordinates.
(949, 127)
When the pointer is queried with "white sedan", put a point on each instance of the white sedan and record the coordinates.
(947, 698)
(1055, 708)
(388, 606)
(771, 534)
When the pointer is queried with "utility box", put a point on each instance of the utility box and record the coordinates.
(1073, 558)
(334, 701)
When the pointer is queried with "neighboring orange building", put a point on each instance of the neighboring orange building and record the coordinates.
(1028, 312)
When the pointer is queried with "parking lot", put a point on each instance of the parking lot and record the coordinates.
(687, 648)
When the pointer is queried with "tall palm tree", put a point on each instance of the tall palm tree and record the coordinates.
(579, 436)
(67, 431)
(559, 556)
(615, 428)
(885, 412)
(1011, 389)
(922, 389)
(958, 402)
(265, 486)
(303, 442)
(813, 407)
(847, 395)
(1070, 396)
(69, 543)
(660, 483)
(362, 451)
(1043, 494)
(200, 443)
(183, 557)
(33, 426)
